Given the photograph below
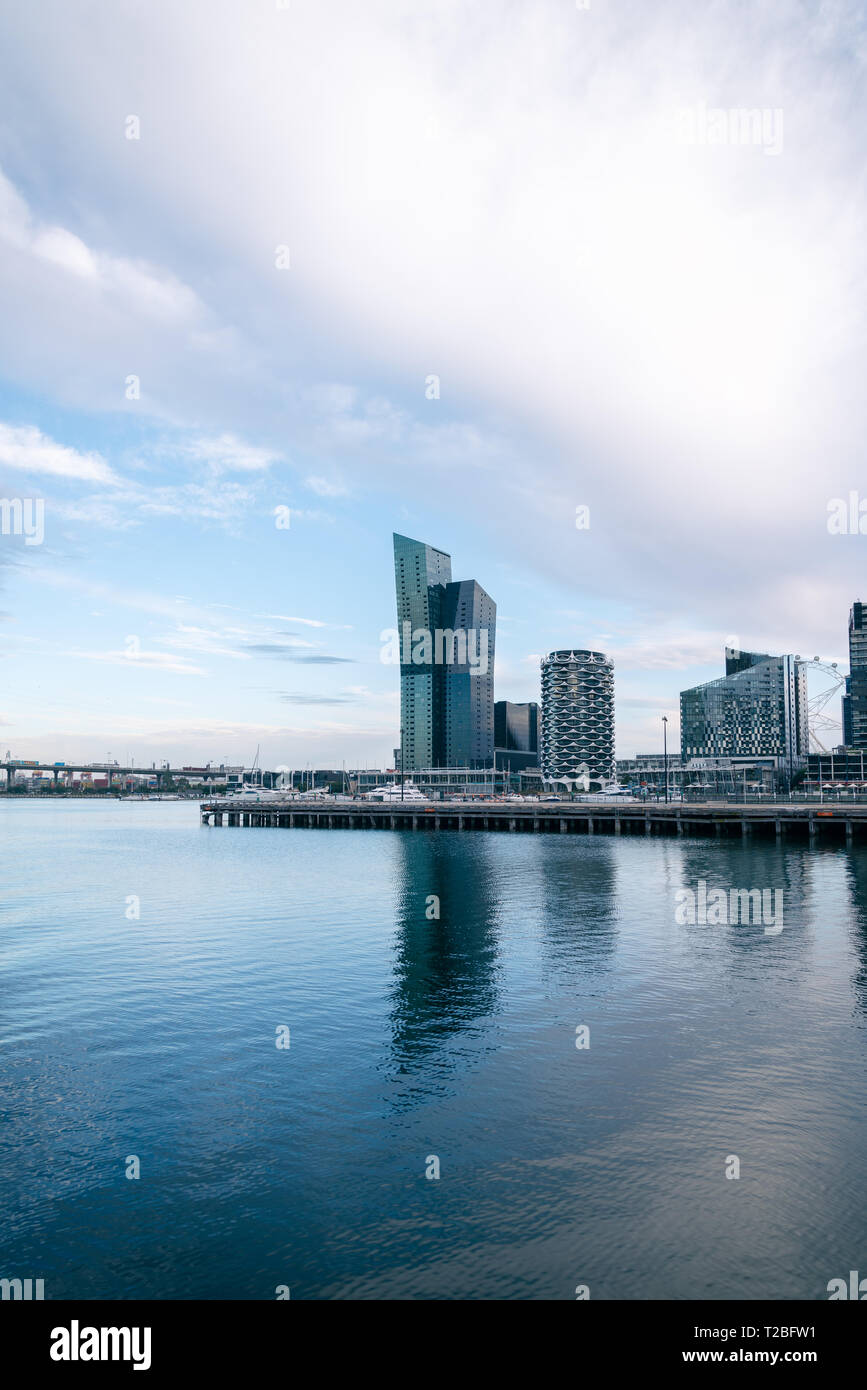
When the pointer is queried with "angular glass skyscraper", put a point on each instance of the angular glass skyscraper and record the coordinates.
(447, 633)
(855, 699)
(759, 708)
(469, 677)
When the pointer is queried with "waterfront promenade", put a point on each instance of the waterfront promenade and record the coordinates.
(809, 822)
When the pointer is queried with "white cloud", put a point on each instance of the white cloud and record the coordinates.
(306, 622)
(26, 448)
(134, 284)
(323, 488)
(142, 660)
(228, 454)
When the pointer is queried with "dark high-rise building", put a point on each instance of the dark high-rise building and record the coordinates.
(516, 735)
(577, 716)
(759, 708)
(421, 574)
(516, 727)
(469, 678)
(447, 634)
(855, 699)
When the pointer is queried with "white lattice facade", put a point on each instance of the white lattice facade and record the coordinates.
(577, 716)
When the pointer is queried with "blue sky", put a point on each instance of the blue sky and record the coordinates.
(669, 333)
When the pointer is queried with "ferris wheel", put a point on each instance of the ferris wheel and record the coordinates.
(818, 720)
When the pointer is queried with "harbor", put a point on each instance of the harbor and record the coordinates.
(810, 822)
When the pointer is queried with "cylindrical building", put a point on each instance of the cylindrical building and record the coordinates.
(577, 717)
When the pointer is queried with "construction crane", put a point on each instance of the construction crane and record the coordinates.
(818, 720)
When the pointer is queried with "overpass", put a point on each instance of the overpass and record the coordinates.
(113, 770)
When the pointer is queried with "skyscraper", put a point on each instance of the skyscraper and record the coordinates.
(516, 735)
(469, 678)
(577, 715)
(855, 699)
(759, 708)
(516, 727)
(447, 633)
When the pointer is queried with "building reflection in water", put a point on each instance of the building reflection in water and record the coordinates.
(749, 866)
(577, 893)
(856, 878)
(445, 971)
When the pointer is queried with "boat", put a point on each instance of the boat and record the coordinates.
(393, 791)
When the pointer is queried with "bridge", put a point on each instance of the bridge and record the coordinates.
(112, 770)
(844, 825)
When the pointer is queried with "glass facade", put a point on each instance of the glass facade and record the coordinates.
(758, 709)
(516, 727)
(421, 574)
(577, 715)
(855, 699)
(469, 684)
(447, 663)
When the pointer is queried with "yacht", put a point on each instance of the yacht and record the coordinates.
(392, 791)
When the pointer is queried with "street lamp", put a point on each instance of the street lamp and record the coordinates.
(665, 751)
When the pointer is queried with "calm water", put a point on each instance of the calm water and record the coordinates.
(413, 1037)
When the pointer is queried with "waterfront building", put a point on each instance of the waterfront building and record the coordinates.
(516, 726)
(447, 636)
(458, 783)
(516, 734)
(842, 766)
(645, 775)
(757, 710)
(421, 573)
(855, 698)
(469, 676)
(577, 717)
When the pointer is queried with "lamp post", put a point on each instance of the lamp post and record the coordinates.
(665, 751)
(401, 762)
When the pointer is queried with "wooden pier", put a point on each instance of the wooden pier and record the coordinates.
(800, 822)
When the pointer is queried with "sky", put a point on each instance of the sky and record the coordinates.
(279, 279)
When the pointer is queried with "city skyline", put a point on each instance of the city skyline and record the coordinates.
(447, 644)
(305, 650)
(196, 349)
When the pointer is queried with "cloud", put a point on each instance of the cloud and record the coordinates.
(133, 284)
(220, 503)
(208, 641)
(142, 660)
(323, 488)
(289, 699)
(26, 448)
(321, 660)
(670, 335)
(306, 622)
(277, 649)
(228, 454)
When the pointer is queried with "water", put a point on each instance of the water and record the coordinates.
(413, 1037)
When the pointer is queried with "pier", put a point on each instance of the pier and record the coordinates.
(809, 823)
